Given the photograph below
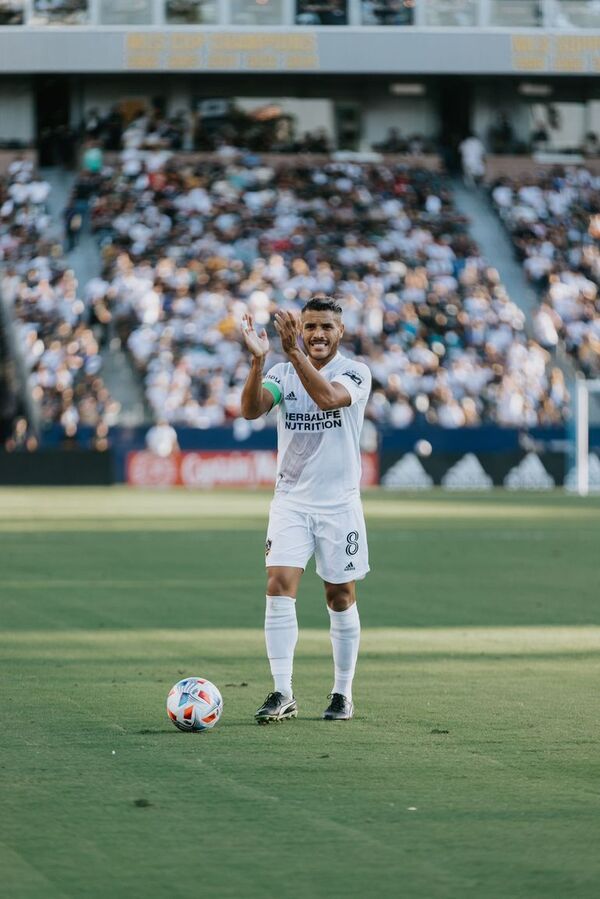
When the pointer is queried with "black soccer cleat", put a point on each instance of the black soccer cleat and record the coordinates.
(339, 709)
(276, 707)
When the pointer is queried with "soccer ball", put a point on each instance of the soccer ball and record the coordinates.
(194, 704)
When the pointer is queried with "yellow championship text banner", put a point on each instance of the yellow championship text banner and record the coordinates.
(556, 53)
(218, 50)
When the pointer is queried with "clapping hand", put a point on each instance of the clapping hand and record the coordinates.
(287, 326)
(258, 344)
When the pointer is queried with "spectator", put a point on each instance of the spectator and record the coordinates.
(472, 153)
(322, 12)
(591, 144)
(92, 158)
(387, 12)
(73, 223)
(392, 143)
(540, 138)
(161, 439)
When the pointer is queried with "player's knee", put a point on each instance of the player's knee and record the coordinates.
(340, 596)
(280, 585)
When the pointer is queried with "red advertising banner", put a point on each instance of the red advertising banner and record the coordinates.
(370, 469)
(229, 468)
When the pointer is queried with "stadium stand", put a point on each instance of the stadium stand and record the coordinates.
(188, 247)
(554, 222)
(23, 216)
(52, 321)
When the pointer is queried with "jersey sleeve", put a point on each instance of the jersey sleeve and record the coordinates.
(272, 383)
(356, 378)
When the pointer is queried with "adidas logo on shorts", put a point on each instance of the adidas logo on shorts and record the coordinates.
(291, 396)
(349, 567)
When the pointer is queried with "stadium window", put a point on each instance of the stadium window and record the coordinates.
(387, 12)
(451, 13)
(321, 12)
(191, 12)
(519, 13)
(575, 14)
(256, 12)
(12, 12)
(60, 12)
(126, 12)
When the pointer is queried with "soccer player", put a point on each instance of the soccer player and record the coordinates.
(321, 398)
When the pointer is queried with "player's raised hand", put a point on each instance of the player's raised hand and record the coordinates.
(258, 344)
(287, 326)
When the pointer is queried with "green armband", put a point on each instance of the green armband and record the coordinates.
(274, 391)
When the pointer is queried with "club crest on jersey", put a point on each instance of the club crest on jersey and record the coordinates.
(354, 375)
(291, 396)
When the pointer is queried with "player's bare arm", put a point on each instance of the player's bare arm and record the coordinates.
(321, 333)
(256, 400)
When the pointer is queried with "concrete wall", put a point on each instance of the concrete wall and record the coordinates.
(528, 166)
(593, 111)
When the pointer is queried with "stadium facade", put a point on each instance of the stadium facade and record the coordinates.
(406, 63)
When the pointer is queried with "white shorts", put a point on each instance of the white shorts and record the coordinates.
(337, 539)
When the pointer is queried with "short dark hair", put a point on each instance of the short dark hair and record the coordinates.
(322, 304)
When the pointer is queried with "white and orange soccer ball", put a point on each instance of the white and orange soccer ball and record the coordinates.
(194, 704)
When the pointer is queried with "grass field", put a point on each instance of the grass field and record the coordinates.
(471, 769)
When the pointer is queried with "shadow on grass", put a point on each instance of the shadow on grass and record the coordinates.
(173, 732)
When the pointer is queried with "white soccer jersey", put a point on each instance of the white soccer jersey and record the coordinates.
(318, 458)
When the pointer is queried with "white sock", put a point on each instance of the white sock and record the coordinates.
(281, 636)
(345, 639)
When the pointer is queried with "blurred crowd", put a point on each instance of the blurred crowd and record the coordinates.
(188, 248)
(554, 222)
(215, 124)
(24, 218)
(52, 322)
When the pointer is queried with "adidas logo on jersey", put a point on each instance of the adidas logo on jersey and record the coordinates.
(349, 567)
(291, 396)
